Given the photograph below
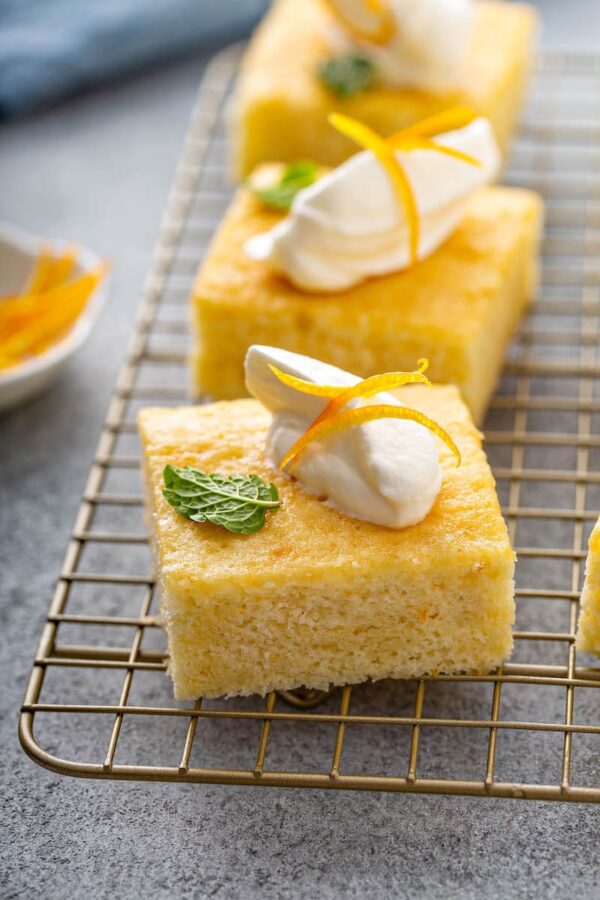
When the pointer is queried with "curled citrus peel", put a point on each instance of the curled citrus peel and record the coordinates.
(415, 137)
(368, 139)
(333, 420)
(306, 387)
(389, 381)
(368, 387)
(448, 120)
(383, 23)
(351, 418)
(386, 382)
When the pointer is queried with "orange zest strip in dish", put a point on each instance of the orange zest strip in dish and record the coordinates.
(32, 322)
(384, 25)
(17, 311)
(384, 152)
(354, 417)
(50, 271)
(41, 272)
(63, 266)
(44, 328)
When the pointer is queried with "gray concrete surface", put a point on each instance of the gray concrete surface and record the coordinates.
(98, 169)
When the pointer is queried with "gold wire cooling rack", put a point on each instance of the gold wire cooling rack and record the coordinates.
(98, 694)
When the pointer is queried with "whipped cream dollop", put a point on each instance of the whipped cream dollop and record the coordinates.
(412, 43)
(350, 225)
(386, 471)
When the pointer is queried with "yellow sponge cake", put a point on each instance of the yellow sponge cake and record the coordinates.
(459, 307)
(281, 106)
(315, 597)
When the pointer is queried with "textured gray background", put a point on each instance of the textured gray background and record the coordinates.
(97, 169)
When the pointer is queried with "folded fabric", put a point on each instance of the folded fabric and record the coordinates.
(51, 48)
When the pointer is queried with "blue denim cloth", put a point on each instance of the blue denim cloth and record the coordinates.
(51, 48)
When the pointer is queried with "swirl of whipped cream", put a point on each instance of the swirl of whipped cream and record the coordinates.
(350, 225)
(412, 43)
(386, 471)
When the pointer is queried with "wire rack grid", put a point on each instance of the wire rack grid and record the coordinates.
(98, 694)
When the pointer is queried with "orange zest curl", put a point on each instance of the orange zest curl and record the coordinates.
(415, 137)
(371, 386)
(365, 388)
(368, 387)
(351, 418)
(368, 139)
(448, 120)
(305, 387)
(332, 419)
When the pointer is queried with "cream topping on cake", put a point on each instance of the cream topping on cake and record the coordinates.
(350, 226)
(412, 43)
(386, 471)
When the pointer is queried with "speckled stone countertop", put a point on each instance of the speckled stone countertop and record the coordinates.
(98, 169)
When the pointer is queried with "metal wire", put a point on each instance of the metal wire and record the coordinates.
(102, 633)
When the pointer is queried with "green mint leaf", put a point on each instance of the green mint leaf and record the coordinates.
(347, 75)
(235, 502)
(295, 177)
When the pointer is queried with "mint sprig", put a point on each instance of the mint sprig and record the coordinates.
(295, 177)
(235, 502)
(347, 75)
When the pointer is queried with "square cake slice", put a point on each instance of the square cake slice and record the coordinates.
(459, 307)
(281, 106)
(588, 630)
(316, 598)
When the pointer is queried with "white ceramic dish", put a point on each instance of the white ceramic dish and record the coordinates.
(18, 252)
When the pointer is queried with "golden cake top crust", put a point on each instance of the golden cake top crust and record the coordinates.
(450, 291)
(463, 531)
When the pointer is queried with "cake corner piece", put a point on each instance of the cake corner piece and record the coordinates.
(588, 628)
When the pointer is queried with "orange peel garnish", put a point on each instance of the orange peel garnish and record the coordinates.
(368, 139)
(305, 387)
(368, 387)
(376, 384)
(352, 418)
(416, 143)
(385, 24)
(448, 120)
(415, 137)
(332, 419)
